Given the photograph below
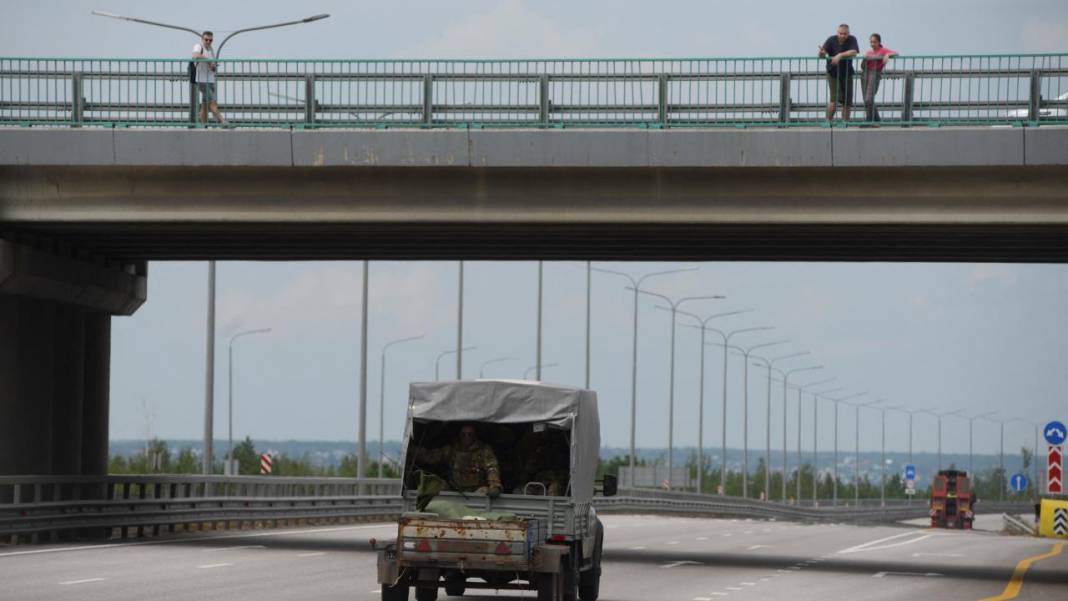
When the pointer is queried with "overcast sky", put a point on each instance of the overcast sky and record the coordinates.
(975, 337)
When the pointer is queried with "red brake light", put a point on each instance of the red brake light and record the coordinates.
(558, 538)
(503, 548)
(423, 546)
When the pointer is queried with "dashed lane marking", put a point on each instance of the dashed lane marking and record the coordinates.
(676, 564)
(923, 574)
(235, 548)
(82, 581)
(214, 565)
(755, 547)
(315, 554)
(637, 548)
(1012, 589)
(672, 542)
(938, 555)
(733, 588)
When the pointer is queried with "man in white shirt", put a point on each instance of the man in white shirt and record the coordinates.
(205, 78)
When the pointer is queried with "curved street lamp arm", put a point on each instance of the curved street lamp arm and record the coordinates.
(248, 333)
(809, 368)
(790, 356)
(400, 340)
(146, 22)
(818, 383)
(272, 26)
(765, 344)
(659, 273)
(619, 273)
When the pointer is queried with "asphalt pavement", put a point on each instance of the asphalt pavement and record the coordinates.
(646, 558)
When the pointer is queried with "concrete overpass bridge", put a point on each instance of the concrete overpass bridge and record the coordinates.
(660, 164)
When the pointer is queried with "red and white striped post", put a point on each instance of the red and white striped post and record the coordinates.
(265, 464)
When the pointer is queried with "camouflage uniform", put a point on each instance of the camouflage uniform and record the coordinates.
(472, 469)
(540, 463)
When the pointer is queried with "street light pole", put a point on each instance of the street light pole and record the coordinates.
(1001, 455)
(674, 306)
(745, 410)
(443, 354)
(209, 372)
(636, 286)
(526, 373)
(785, 462)
(815, 442)
(589, 298)
(382, 401)
(767, 424)
(701, 395)
(230, 422)
(800, 389)
(834, 489)
(940, 416)
(971, 427)
(882, 455)
(482, 370)
(361, 456)
(460, 324)
(856, 456)
(537, 357)
(1034, 452)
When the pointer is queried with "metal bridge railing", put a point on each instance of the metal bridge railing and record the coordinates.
(1029, 89)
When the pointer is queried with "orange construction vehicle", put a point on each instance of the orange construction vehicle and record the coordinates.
(952, 500)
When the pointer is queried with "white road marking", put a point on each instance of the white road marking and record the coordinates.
(82, 581)
(755, 547)
(702, 538)
(637, 548)
(924, 574)
(315, 554)
(376, 591)
(747, 583)
(733, 588)
(890, 546)
(235, 548)
(672, 542)
(718, 594)
(676, 564)
(702, 599)
(196, 539)
(938, 555)
(214, 565)
(727, 534)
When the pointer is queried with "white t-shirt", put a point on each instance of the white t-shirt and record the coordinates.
(204, 73)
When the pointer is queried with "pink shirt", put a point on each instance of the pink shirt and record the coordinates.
(877, 64)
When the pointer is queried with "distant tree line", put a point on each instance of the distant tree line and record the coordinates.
(158, 458)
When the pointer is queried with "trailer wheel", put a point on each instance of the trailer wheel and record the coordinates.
(426, 593)
(455, 587)
(395, 592)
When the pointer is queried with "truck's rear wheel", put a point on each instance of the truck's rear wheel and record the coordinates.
(396, 592)
(426, 593)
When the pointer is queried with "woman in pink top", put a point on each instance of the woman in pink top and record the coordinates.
(874, 62)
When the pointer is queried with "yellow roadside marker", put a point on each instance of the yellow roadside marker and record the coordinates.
(1012, 589)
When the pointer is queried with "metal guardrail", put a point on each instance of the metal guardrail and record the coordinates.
(1027, 89)
(32, 505)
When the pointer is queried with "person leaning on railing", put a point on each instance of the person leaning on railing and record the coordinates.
(838, 50)
(205, 78)
(874, 62)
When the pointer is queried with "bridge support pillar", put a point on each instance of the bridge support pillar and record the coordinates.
(55, 352)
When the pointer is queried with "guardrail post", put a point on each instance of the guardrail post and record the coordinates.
(907, 96)
(309, 99)
(784, 98)
(1035, 99)
(662, 104)
(543, 100)
(428, 100)
(77, 98)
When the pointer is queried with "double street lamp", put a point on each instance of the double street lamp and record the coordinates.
(674, 308)
(770, 363)
(482, 370)
(636, 284)
(834, 489)
(526, 374)
(442, 355)
(816, 441)
(209, 383)
(701, 396)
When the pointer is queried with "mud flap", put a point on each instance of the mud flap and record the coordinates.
(388, 571)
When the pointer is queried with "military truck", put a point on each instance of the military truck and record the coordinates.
(542, 533)
(952, 500)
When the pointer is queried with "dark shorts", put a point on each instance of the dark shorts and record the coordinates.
(207, 93)
(841, 89)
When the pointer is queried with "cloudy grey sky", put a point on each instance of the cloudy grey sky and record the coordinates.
(980, 337)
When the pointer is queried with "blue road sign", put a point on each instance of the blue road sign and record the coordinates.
(910, 472)
(1018, 482)
(1055, 433)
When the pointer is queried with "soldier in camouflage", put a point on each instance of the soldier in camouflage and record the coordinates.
(472, 464)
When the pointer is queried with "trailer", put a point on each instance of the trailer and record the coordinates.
(541, 534)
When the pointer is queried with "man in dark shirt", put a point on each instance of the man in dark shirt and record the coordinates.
(839, 51)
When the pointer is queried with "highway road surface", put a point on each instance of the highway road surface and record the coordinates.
(647, 558)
